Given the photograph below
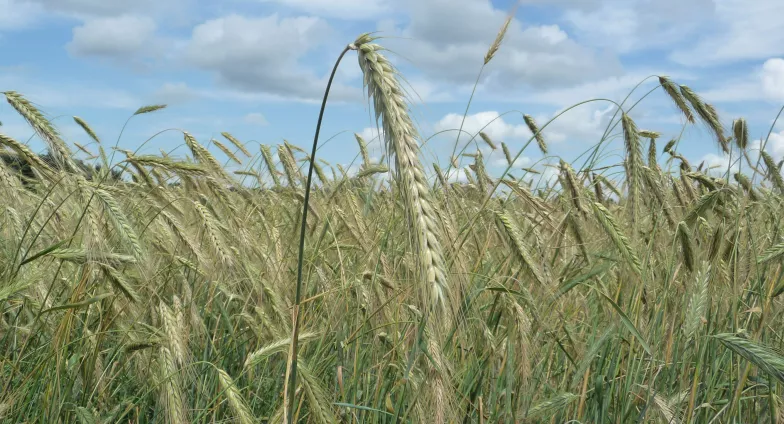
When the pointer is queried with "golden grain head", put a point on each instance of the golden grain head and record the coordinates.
(596, 284)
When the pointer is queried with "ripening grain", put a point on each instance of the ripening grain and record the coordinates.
(161, 288)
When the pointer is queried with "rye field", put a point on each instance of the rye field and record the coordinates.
(138, 288)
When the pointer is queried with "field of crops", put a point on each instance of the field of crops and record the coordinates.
(171, 289)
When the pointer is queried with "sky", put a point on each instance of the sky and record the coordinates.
(258, 69)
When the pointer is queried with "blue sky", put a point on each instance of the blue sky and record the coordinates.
(258, 68)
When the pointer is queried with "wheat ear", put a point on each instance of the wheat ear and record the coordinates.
(741, 132)
(620, 241)
(774, 173)
(236, 401)
(363, 149)
(708, 114)
(43, 128)
(266, 153)
(675, 95)
(499, 38)
(634, 164)
(516, 242)
(489, 141)
(687, 246)
(236, 143)
(400, 137)
(531, 123)
(507, 154)
(695, 311)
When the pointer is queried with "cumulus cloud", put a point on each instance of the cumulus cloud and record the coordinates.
(490, 122)
(18, 14)
(701, 33)
(610, 26)
(584, 124)
(458, 175)
(256, 118)
(263, 54)
(117, 38)
(372, 135)
(342, 9)
(773, 79)
(69, 94)
(93, 7)
(611, 87)
(447, 39)
(174, 93)
(775, 145)
(578, 124)
(737, 90)
(720, 163)
(374, 139)
(628, 26)
(763, 83)
(741, 30)
(84, 9)
(501, 161)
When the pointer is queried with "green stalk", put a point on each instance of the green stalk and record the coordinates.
(300, 260)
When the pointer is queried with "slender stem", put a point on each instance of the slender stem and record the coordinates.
(465, 114)
(295, 330)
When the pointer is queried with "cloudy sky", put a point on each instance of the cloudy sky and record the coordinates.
(258, 69)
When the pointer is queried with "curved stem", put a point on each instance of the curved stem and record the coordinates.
(292, 373)
(465, 114)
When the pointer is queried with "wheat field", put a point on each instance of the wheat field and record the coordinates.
(140, 288)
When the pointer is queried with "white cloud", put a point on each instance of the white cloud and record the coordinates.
(351, 170)
(701, 33)
(19, 130)
(773, 79)
(612, 87)
(584, 124)
(69, 94)
(490, 122)
(739, 90)
(263, 54)
(372, 135)
(521, 162)
(718, 164)
(630, 25)
(16, 14)
(118, 38)
(763, 83)
(85, 9)
(775, 145)
(571, 4)
(457, 175)
(94, 7)
(550, 175)
(181, 92)
(422, 90)
(173, 93)
(342, 9)
(611, 26)
(256, 118)
(742, 30)
(448, 39)
(374, 141)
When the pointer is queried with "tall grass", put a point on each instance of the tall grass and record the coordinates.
(653, 294)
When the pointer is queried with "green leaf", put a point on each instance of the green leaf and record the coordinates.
(628, 324)
(44, 252)
(765, 358)
(574, 282)
(76, 305)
